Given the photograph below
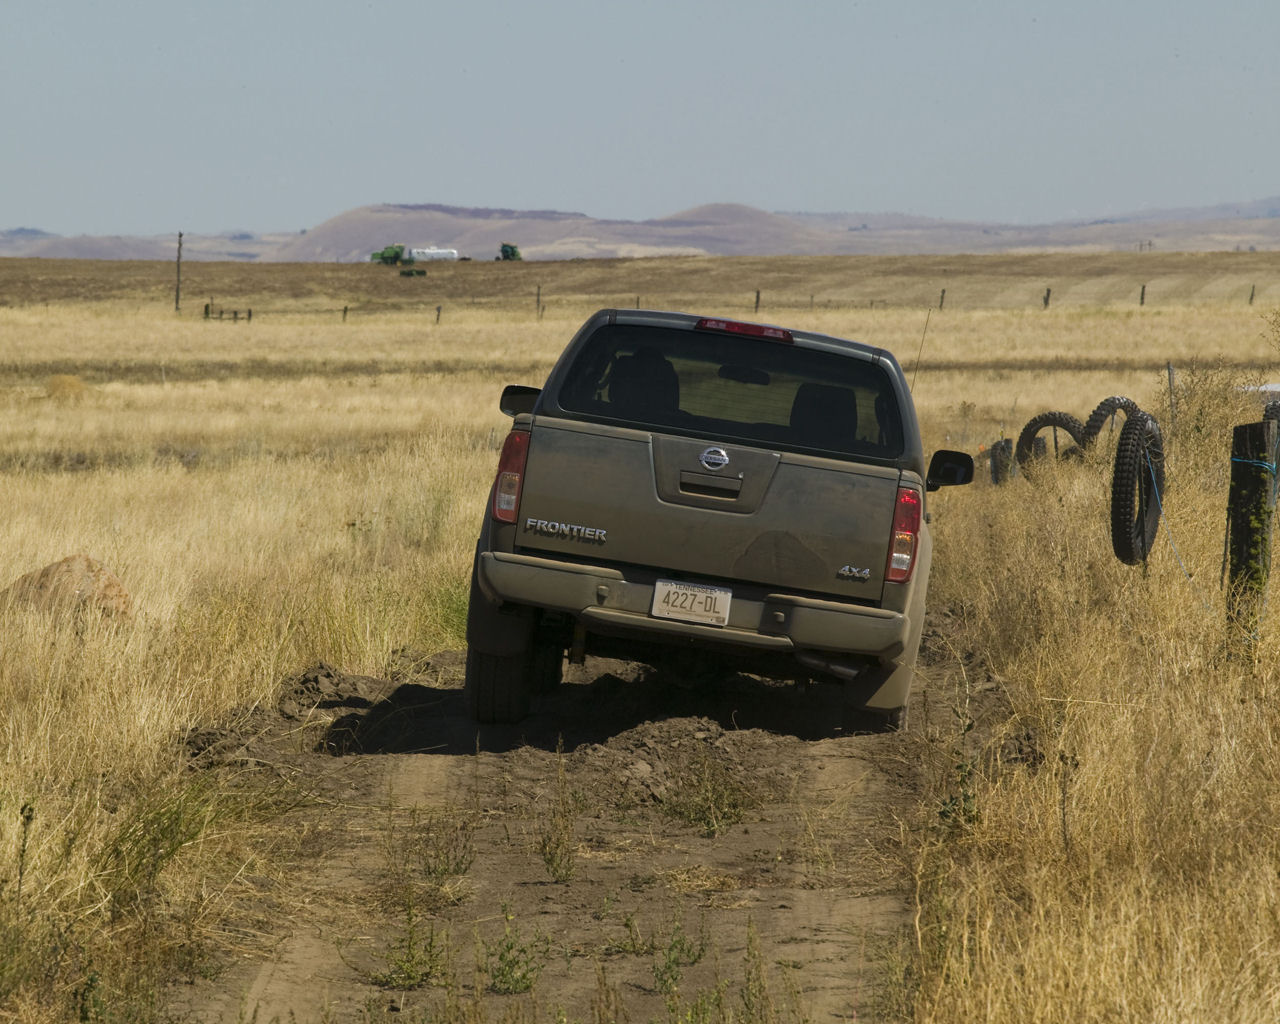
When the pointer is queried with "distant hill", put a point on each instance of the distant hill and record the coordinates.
(720, 229)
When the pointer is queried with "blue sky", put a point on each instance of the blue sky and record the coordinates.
(153, 116)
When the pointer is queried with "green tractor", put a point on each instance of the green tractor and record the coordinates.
(391, 255)
(507, 251)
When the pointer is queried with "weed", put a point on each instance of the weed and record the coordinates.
(445, 840)
(635, 942)
(27, 817)
(557, 839)
(606, 1001)
(418, 958)
(606, 908)
(708, 796)
(513, 963)
(668, 966)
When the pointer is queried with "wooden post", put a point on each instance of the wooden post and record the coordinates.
(1252, 289)
(942, 298)
(438, 308)
(637, 302)
(344, 314)
(1251, 505)
(1046, 298)
(757, 300)
(177, 289)
(537, 302)
(1173, 402)
(1142, 296)
(206, 311)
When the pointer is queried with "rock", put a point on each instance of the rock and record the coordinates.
(78, 582)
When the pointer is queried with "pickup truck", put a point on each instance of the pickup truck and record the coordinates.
(694, 485)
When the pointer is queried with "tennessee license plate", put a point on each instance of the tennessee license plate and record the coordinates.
(690, 602)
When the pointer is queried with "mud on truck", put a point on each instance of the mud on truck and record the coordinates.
(694, 486)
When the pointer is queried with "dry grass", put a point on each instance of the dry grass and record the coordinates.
(300, 488)
(1117, 858)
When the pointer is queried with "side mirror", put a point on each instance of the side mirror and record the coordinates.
(947, 469)
(518, 398)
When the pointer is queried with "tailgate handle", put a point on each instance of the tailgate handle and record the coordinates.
(709, 486)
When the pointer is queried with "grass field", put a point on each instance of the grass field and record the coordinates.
(305, 486)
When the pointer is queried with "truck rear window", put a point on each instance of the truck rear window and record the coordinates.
(736, 388)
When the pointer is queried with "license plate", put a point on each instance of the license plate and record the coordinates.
(690, 602)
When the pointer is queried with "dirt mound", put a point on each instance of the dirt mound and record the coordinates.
(77, 582)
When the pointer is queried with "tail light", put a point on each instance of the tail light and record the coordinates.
(905, 537)
(506, 486)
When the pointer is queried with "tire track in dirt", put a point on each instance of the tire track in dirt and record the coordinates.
(723, 837)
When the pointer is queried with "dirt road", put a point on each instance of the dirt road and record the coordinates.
(642, 847)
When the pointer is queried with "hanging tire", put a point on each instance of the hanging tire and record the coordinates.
(1106, 410)
(1060, 423)
(1137, 488)
(1001, 454)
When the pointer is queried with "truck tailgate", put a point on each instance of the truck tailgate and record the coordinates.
(728, 512)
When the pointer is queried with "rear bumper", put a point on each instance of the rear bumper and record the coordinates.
(605, 602)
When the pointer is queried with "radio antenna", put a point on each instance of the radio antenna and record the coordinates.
(927, 313)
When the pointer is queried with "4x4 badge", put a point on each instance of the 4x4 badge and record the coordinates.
(849, 572)
(714, 458)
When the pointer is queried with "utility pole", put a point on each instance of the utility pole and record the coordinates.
(177, 291)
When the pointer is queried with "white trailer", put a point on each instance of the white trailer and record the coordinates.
(432, 253)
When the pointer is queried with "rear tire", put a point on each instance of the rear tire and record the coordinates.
(874, 720)
(546, 664)
(497, 686)
(499, 681)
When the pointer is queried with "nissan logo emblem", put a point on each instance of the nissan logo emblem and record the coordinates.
(714, 458)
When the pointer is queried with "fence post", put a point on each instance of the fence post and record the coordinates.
(344, 314)
(1251, 504)
(177, 288)
(1173, 402)
(1252, 289)
(757, 300)
(942, 298)
(1142, 296)
(438, 308)
(1046, 298)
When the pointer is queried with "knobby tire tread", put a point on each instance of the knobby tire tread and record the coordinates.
(1137, 487)
(1001, 460)
(497, 686)
(1024, 451)
(1104, 411)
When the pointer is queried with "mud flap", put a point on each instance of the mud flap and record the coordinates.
(502, 629)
